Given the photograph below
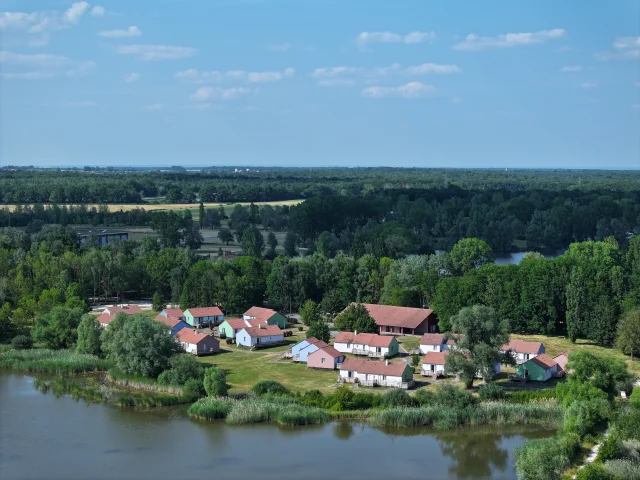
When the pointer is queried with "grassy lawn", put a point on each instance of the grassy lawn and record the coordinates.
(409, 343)
(245, 369)
(556, 345)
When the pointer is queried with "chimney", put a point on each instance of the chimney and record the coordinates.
(260, 326)
(386, 362)
(355, 332)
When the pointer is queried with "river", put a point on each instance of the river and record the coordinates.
(46, 437)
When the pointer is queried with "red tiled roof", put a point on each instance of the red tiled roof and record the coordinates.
(434, 358)
(168, 321)
(320, 344)
(173, 312)
(562, 360)
(312, 340)
(387, 315)
(188, 335)
(205, 312)
(432, 339)
(237, 323)
(544, 361)
(106, 317)
(263, 331)
(260, 312)
(522, 346)
(374, 368)
(329, 351)
(344, 337)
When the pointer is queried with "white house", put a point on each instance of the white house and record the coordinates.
(109, 313)
(523, 350)
(433, 364)
(367, 344)
(376, 373)
(433, 342)
(261, 335)
(197, 343)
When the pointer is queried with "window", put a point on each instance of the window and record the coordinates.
(384, 377)
(323, 359)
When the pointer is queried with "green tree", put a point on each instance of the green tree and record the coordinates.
(629, 333)
(139, 345)
(356, 318)
(272, 241)
(469, 254)
(169, 226)
(225, 235)
(290, 242)
(58, 328)
(319, 330)
(252, 241)
(192, 236)
(89, 335)
(478, 338)
(201, 215)
(157, 303)
(184, 367)
(7, 329)
(310, 313)
(215, 382)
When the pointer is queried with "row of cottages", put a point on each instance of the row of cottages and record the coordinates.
(197, 343)
(300, 351)
(402, 320)
(369, 344)
(204, 316)
(175, 324)
(434, 342)
(260, 336)
(265, 315)
(433, 364)
(542, 367)
(109, 313)
(376, 373)
(523, 350)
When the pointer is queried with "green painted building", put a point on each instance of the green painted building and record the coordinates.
(538, 369)
(265, 315)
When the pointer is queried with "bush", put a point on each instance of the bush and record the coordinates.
(450, 396)
(215, 382)
(397, 398)
(212, 408)
(364, 401)
(312, 397)
(634, 399)
(269, 387)
(583, 417)
(540, 460)
(629, 423)
(184, 367)
(194, 387)
(491, 392)
(569, 445)
(611, 447)
(623, 469)
(59, 361)
(526, 396)
(341, 399)
(593, 471)
(300, 329)
(424, 397)
(22, 342)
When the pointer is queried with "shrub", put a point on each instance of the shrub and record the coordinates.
(540, 460)
(450, 396)
(397, 398)
(59, 361)
(630, 449)
(424, 397)
(569, 445)
(491, 392)
(634, 399)
(194, 387)
(593, 471)
(364, 401)
(623, 469)
(215, 382)
(611, 447)
(184, 367)
(341, 399)
(583, 417)
(269, 387)
(300, 329)
(89, 335)
(22, 342)
(526, 396)
(212, 408)
(629, 423)
(415, 360)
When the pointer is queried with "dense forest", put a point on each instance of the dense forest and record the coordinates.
(30, 185)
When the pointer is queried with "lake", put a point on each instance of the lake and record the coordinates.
(515, 258)
(45, 437)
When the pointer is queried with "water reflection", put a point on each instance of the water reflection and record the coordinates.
(343, 431)
(474, 455)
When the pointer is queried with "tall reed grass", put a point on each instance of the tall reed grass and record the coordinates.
(212, 408)
(56, 361)
(137, 382)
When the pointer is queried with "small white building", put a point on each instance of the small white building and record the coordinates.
(522, 350)
(197, 343)
(109, 313)
(260, 335)
(367, 344)
(376, 374)
(433, 364)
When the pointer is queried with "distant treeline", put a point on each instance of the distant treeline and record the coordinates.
(271, 184)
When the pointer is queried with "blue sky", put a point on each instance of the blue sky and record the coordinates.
(427, 83)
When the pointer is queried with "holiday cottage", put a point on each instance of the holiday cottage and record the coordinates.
(197, 343)
(369, 344)
(265, 315)
(300, 351)
(402, 320)
(539, 369)
(376, 373)
(522, 350)
(327, 358)
(109, 313)
(260, 336)
(204, 316)
(173, 323)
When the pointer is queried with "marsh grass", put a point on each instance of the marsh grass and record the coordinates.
(62, 386)
(55, 361)
(212, 408)
(137, 382)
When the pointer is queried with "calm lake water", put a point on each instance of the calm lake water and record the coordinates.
(45, 437)
(516, 257)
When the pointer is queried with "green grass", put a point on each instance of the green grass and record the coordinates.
(409, 343)
(212, 408)
(245, 369)
(57, 361)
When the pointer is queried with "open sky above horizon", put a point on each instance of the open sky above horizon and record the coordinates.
(530, 84)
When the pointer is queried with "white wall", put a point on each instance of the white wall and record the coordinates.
(433, 348)
(190, 347)
(426, 368)
(243, 338)
(343, 348)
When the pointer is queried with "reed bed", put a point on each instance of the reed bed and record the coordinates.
(212, 408)
(62, 386)
(54, 361)
(141, 383)
(151, 400)
(495, 413)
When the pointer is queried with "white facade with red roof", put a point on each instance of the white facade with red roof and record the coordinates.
(376, 373)
(522, 350)
(197, 343)
(433, 364)
(402, 320)
(109, 313)
(261, 335)
(203, 316)
(265, 315)
(369, 344)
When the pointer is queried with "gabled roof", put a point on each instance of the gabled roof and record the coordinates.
(522, 346)
(562, 360)
(204, 312)
(332, 352)
(544, 361)
(374, 368)
(237, 323)
(370, 339)
(173, 312)
(406, 317)
(435, 358)
(188, 335)
(260, 312)
(169, 321)
(263, 331)
(432, 339)
(109, 313)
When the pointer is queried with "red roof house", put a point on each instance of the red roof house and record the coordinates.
(197, 343)
(109, 313)
(402, 320)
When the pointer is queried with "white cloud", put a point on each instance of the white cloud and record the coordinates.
(572, 69)
(343, 75)
(132, 78)
(83, 104)
(195, 76)
(336, 82)
(154, 107)
(426, 68)
(75, 12)
(132, 31)
(409, 90)
(588, 85)
(332, 72)
(45, 65)
(627, 47)
(156, 52)
(474, 42)
(366, 38)
(204, 94)
(35, 60)
(98, 11)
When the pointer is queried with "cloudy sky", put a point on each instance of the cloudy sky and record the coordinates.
(320, 83)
